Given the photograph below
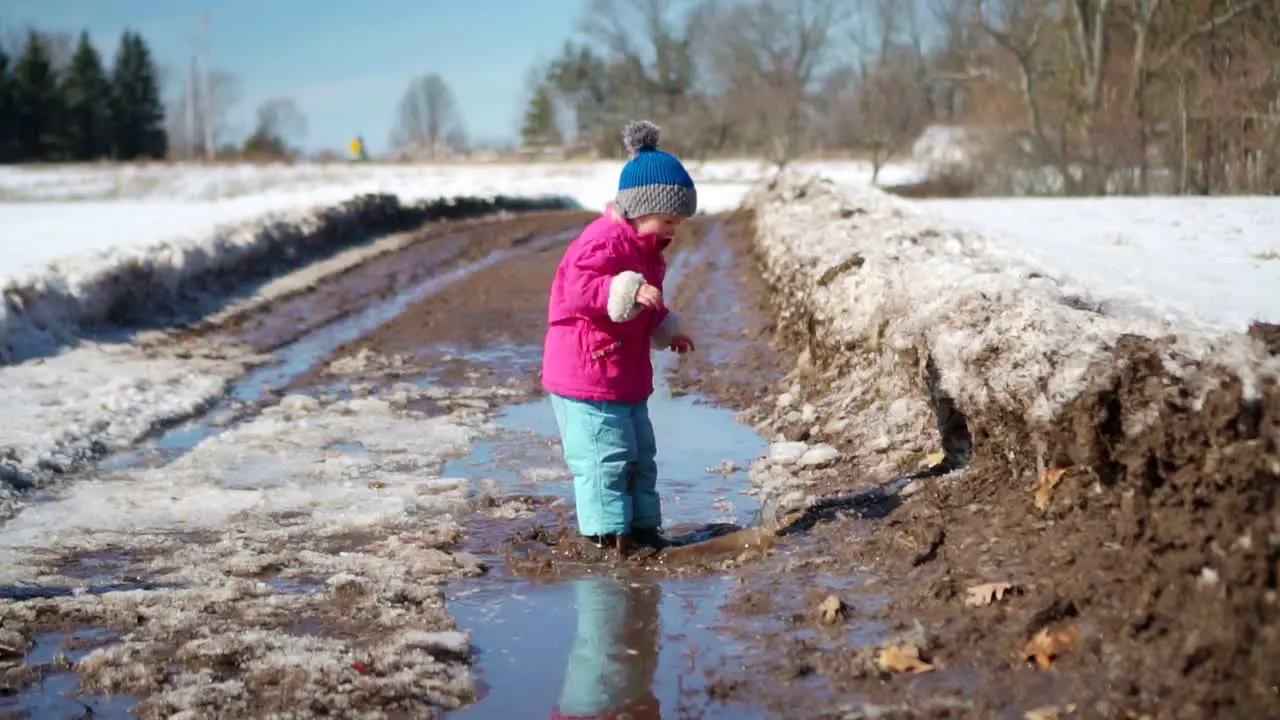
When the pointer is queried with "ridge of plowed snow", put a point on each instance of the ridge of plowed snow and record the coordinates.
(912, 311)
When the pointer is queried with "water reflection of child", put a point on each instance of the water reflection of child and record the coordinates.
(615, 653)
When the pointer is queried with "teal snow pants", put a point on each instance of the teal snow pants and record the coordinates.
(612, 454)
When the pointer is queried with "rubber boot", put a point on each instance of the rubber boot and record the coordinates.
(623, 545)
(649, 537)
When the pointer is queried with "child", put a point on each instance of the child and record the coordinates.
(605, 313)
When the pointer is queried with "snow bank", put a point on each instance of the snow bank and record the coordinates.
(942, 149)
(914, 329)
(134, 285)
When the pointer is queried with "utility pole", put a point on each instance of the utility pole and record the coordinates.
(192, 142)
(209, 150)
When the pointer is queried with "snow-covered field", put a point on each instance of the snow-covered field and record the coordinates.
(57, 213)
(1208, 260)
(1215, 260)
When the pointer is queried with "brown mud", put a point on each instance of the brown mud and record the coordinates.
(487, 328)
(724, 305)
(1133, 575)
(435, 249)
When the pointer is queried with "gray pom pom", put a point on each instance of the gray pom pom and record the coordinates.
(640, 135)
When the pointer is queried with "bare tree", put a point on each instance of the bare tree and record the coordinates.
(1151, 58)
(281, 118)
(1020, 31)
(280, 124)
(652, 53)
(428, 121)
(771, 54)
(885, 101)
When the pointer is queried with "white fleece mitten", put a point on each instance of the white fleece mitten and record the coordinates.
(622, 296)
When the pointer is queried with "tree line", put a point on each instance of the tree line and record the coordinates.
(60, 103)
(1050, 96)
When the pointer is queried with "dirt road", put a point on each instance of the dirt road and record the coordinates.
(373, 524)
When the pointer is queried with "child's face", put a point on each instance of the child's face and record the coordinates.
(661, 224)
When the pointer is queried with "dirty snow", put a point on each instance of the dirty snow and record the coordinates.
(297, 455)
(281, 538)
(902, 288)
(98, 398)
(1194, 260)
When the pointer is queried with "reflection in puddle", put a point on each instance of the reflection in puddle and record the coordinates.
(599, 646)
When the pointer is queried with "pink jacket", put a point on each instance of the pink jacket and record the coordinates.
(598, 338)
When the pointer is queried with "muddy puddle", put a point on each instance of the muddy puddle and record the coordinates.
(605, 640)
(599, 645)
(54, 692)
(608, 640)
(703, 455)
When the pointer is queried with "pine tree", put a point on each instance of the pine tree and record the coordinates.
(540, 128)
(85, 95)
(137, 115)
(37, 106)
(7, 110)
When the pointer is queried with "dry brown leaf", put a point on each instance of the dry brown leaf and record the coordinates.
(1051, 712)
(1046, 646)
(832, 610)
(902, 659)
(1044, 490)
(987, 593)
(377, 485)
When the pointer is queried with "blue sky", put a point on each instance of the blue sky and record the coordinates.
(345, 63)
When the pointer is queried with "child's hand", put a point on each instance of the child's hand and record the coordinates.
(649, 296)
(682, 344)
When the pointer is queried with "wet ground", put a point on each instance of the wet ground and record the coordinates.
(450, 326)
(375, 522)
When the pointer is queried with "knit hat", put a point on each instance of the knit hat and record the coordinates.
(652, 181)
